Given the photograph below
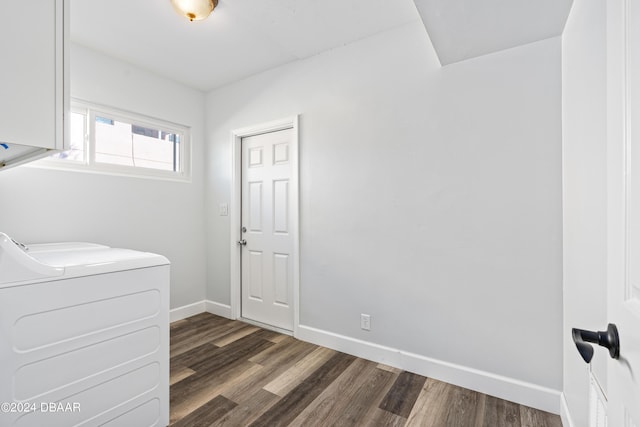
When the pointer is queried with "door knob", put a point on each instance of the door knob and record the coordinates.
(608, 339)
(242, 242)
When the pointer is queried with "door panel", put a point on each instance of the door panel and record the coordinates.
(280, 206)
(255, 275)
(623, 151)
(255, 207)
(267, 268)
(281, 278)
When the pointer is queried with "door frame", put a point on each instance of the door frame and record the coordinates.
(235, 211)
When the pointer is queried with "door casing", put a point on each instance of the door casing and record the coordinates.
(235, 211)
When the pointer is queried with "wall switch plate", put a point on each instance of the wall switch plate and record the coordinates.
(365, 322)
(224, 209)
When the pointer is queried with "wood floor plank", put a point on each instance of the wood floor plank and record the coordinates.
(224, 368)
(292, 377)
(500, 413)
(200, 333)
(281, 361)
(530, 417)
(215, 409)
(206, 316)
(403, 394)
(389, 368)
(192, 325)
(442, 404)
(381, 418)
(178, 324)
(294, 402)
(193, 356)
(277, 338)
(195, 391)
(249, 410)
(368, 395)
(235, 335)
(481, 410)
(348, 399)
(465, 406)
(376, 416)
(283, 352)
(239, 350)
(430, 405)
(272, 336)
(178, 373)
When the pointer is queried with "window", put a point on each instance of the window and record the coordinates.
(111, 141)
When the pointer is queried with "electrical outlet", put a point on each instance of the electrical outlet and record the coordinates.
(365, 322)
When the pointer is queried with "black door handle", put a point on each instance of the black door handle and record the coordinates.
(608, 339)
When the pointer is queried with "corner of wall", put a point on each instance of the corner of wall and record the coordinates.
(203, 306)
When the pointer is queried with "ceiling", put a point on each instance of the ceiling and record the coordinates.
(463, 29)
(245, 37)
(240, 37)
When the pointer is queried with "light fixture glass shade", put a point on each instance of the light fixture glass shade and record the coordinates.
(194, 10)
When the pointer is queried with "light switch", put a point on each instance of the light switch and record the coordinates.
(224, 209)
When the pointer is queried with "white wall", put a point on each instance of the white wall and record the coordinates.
(39, 205)
(584, 193)
(430, 197)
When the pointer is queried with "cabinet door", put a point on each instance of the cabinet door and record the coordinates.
(32, 72)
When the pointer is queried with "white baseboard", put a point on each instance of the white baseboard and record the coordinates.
(511, 389)
(185, 311)
(218, 309)
(189, 310)
(565, 415)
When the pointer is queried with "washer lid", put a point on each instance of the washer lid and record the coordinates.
(17, 266)
(50, 261)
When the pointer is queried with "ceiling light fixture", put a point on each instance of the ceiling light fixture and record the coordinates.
(194, 10)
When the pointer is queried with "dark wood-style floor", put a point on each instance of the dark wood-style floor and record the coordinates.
(228, 373)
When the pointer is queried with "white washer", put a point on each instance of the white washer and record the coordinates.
(84, 336)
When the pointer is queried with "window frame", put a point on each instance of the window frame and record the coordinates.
(91, 110)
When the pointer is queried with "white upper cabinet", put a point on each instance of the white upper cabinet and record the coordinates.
(34, 77)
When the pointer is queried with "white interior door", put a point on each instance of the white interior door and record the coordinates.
(623, 151)
(268, 246)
